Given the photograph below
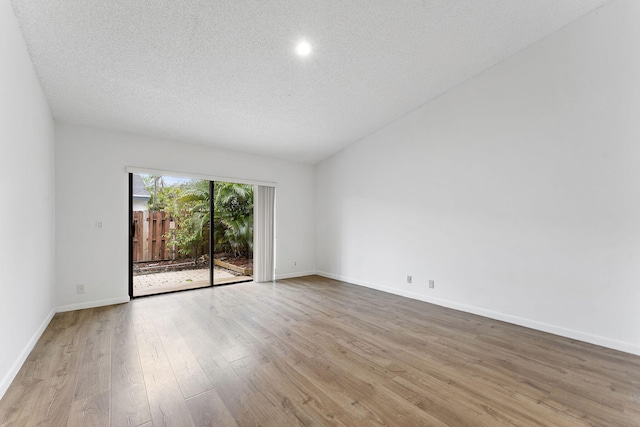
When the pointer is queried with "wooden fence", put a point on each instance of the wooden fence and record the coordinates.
(150, 241)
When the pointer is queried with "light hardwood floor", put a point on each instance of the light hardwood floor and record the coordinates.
(312, 351)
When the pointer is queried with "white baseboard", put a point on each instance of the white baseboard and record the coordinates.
(15, 368)
(92, 304)
(627, 347)
(293, 275)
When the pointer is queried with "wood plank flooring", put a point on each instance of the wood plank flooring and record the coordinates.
(313, 352)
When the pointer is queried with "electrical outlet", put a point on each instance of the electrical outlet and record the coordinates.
(99, 225)
(432, 284)
(79, 289)
(295, 263)
(409, 279)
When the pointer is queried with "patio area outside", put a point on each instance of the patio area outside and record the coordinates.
(170, 281)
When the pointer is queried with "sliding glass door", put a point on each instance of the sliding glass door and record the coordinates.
(188, 233)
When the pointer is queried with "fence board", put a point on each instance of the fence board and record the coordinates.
(157, 225)
(138, 223)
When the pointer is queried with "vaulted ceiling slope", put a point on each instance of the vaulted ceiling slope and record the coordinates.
(225, 73)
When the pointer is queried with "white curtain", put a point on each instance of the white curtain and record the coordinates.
(263, 233)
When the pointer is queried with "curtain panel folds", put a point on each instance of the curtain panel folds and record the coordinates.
(263, 233)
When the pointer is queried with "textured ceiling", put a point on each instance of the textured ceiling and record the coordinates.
(224, 73)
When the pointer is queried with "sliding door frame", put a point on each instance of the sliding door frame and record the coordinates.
(131, 229)
(211, 242)
(206, 177)
(212, 179)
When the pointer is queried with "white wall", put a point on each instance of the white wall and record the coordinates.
(140, 205)
(92, 184)
(27, 195)
(518, 192)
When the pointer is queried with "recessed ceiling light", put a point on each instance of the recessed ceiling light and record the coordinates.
(303, 48)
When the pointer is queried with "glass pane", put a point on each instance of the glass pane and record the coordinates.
(171, 237)
(232, 233)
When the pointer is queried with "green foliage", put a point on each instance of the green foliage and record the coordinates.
(188, 205)
(162, 196)
(233, 218)
(190, 211)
